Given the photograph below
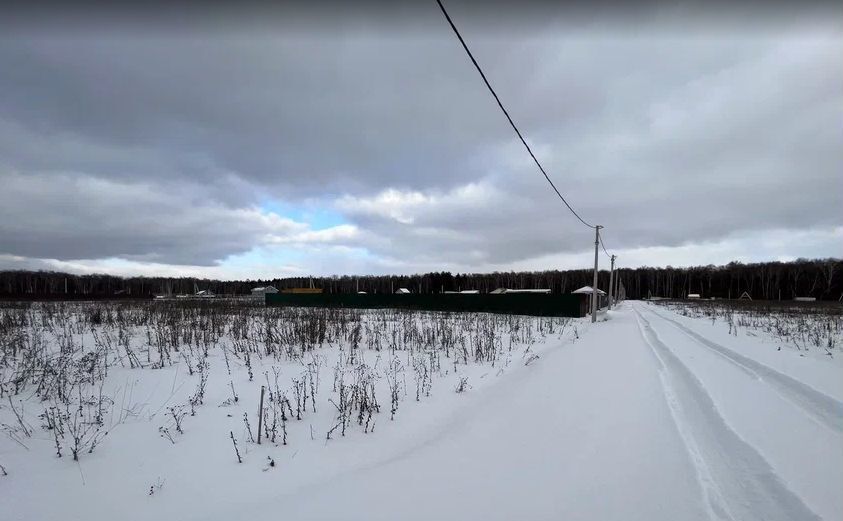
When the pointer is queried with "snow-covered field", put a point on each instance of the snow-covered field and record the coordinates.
(648, 414)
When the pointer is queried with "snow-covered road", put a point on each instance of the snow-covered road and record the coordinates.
(737, 482)
(641, 418)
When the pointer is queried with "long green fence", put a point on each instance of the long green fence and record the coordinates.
(516, 304)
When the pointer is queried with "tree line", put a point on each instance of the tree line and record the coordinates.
(819, 278)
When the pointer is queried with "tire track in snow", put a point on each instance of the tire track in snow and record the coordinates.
(819, 406)
(737, 482)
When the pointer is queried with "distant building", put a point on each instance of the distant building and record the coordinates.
(587, 290)
(402, 291)
(693, 295)
(261, 291)
(587, 293)
(505, 291)
(205, 293)
(805, 299)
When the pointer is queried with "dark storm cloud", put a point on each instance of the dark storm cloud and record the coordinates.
(746, 142)
(300, 115)
(666, 128)
(72, 217)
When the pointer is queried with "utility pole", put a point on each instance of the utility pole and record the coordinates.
(594, 286)
(618, 285)
(611, 283)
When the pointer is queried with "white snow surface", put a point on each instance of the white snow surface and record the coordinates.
(644, 415)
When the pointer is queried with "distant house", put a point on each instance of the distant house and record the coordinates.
(693, 295)
(261, 291)
(587, 290)
(205, 293)
(505, 291)
(402, 291)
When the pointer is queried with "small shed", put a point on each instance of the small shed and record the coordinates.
(587, 292)
(693, 295)
(205, 293)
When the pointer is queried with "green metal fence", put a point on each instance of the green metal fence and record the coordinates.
(517, 304)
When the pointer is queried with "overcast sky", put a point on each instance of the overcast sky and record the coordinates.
(246, 145)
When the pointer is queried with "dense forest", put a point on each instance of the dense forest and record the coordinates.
(821, 278)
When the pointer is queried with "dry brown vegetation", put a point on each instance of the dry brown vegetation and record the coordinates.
(801, 325)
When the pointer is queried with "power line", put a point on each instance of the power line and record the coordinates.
(603, 246)
(482, 75)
